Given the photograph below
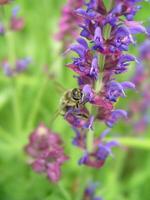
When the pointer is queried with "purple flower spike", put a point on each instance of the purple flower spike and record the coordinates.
(97, 81)
(68, 23)
(45, 149)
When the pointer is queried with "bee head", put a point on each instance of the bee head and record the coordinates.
(77, 94)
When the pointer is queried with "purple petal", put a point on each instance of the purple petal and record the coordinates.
(98, 39)
(39, 165)
(82, 42)
(128, 85)
(119, 113)
(87, 90)
(53, 172)
(104, 133)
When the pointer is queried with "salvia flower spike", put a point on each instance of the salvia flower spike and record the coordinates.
(99, 55)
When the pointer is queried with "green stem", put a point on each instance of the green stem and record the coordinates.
(90, 140)
(132, 142)
(11, 46)
(10, 40)
(16, 107)
(63, 191)
(98, 87)
(36, 104)
(4, 136)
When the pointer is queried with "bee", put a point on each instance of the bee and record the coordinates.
(73, 99)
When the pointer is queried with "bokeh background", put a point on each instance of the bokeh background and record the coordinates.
(31, 97)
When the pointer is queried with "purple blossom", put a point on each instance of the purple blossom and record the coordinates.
(116, 90)
(115, 116)
(8, 71)
(46, 152)
(17, 23)
(123, 63)
(2, 29)
(89, 192)
(122, 39)
(128, 8)
(20, 66)
(98, 156)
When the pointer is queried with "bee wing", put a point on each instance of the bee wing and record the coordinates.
(55, 115)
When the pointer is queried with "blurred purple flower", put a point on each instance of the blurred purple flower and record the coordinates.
(20, 66)
(46, 151)
(17, 23)
(89, 192)
(3, 2)
(68, 29)
(2, 29)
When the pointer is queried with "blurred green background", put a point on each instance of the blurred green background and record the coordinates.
(30, 98)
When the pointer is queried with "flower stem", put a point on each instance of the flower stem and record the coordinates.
(90, 140)
(16, 107)
(63, 191)
(36, 104)
(131, 142)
